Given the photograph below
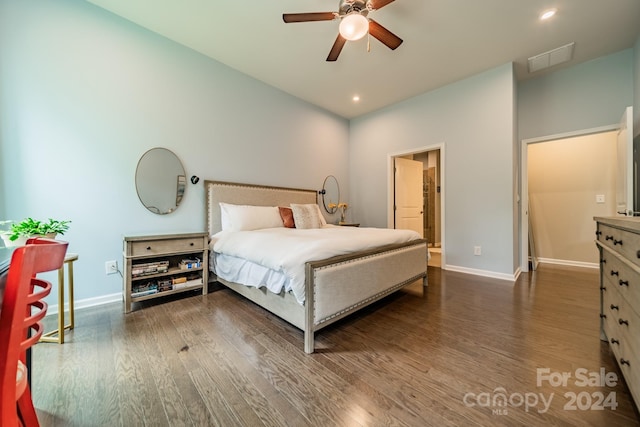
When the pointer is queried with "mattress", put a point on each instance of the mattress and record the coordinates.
(286, 251)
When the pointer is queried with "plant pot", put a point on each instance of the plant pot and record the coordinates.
(22, 240)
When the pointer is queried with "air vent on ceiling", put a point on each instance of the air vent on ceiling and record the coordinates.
(553, 57)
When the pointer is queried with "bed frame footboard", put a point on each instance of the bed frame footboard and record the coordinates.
(341, 285)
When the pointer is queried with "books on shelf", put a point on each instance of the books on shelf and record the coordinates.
(165, 285)
(187, 264)
(146, 288)
(145, 269)
(187, 283)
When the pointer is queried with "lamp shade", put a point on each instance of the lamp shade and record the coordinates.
(354, 26)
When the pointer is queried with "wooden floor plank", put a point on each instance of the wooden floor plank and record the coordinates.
(420, 357)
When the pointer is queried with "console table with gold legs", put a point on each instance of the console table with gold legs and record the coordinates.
(50, 336)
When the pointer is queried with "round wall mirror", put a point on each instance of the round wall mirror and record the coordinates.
(330, 194)
(160, 181)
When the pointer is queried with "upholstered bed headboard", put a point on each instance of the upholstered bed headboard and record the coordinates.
(249, 194)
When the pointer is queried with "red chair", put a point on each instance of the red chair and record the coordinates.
(23, 291)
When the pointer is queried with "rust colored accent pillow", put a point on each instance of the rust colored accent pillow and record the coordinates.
(287, 217)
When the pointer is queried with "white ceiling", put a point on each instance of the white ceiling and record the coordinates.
(444, 41)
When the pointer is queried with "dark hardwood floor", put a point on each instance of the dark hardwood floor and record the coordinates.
(448, 356)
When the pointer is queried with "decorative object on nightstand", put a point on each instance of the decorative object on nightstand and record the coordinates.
(343, 206)
(162, 265)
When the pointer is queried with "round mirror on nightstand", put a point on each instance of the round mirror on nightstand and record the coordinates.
(160, 181)
(330, 194)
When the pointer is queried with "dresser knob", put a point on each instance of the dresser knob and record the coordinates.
(603, 316)
(624, 362)
(617, 242)
(608, 238)
(615, 341)
(148, 248)
(614, 273)
(614, 307)
(623, 322)
(623, 282)
(191, 244)
(598, 233)
(603, 288)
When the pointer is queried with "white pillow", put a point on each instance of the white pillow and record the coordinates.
(246, 217)
(307, 216)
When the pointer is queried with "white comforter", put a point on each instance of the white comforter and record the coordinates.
(287, 250)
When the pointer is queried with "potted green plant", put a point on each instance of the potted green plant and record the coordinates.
(19, 232)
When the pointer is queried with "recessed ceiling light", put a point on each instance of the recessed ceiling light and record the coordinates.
(356, 98)
(547, 14)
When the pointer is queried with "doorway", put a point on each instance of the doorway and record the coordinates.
(432, 159)
(558, 207)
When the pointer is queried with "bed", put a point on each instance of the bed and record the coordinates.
(333, 287)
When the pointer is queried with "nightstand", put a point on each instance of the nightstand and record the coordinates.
(156, 266)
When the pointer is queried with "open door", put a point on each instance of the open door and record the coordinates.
(408, 195)
(625, 165)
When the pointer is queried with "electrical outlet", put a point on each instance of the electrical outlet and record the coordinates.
(477, 250)
(111, 267)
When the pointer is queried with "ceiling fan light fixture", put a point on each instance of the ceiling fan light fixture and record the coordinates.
(354, 26)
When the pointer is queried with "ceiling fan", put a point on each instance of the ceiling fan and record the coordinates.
(354, 23)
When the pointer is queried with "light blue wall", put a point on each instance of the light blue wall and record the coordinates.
(83, 94)
(474, 118)
(584, 96)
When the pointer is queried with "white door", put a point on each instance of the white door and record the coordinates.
(409, 201)
(624, 175)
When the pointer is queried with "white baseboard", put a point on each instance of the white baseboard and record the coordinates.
(485, 273)
(86, 303)
(568, 263)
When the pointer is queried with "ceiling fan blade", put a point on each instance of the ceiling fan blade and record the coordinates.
(307, 17)
(379, 4)
(385, 36)
(336, 48)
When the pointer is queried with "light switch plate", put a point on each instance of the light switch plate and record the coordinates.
(599, 198)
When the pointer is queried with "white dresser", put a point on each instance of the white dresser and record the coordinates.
(618, 240)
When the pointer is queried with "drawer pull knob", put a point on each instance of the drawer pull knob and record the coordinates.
(603, 316)
(614, 307)
(614, 273)
(614, 341)
(603, 288)
(191, 244)
(617, 242)
(623, 322)
(148, 248)
(608, 238)
(624, 362)
(598, 233)
(623, 283)
(604, 261)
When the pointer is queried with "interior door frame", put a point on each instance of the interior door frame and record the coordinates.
(391, 187)
(524, 183)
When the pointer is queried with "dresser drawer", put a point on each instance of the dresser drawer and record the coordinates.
(166, 246)
(623, 278)
(629, 328)
(624, 242)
